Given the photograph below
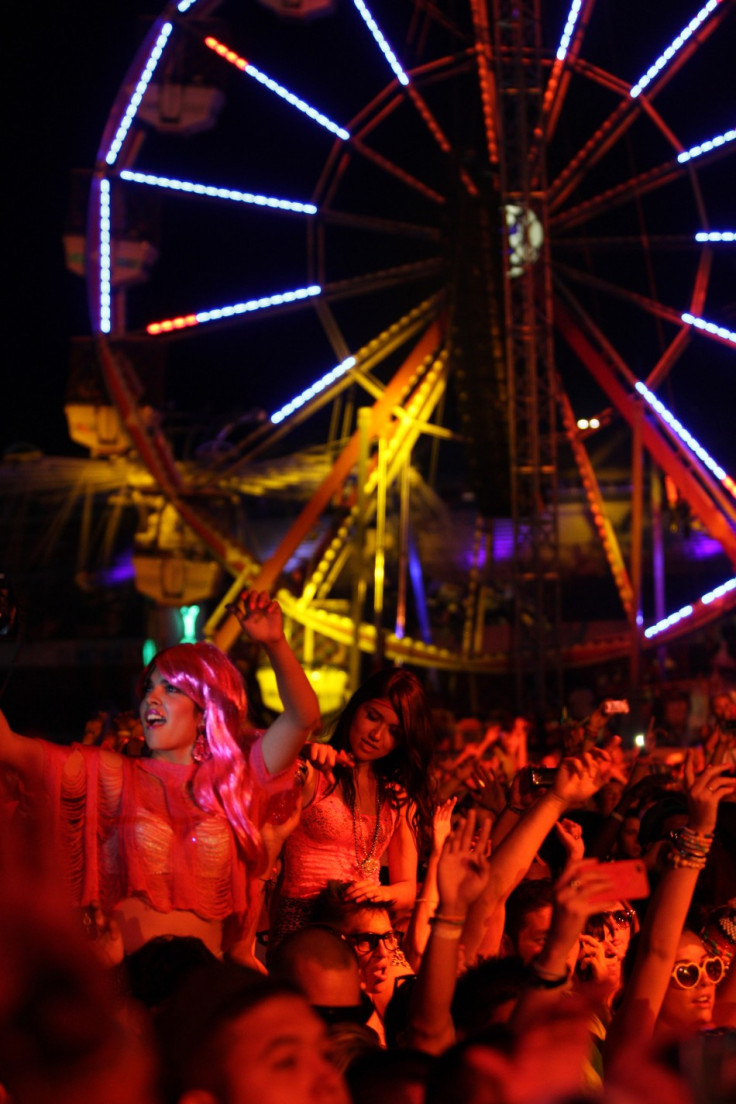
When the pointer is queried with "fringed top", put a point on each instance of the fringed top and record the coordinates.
(130, 828)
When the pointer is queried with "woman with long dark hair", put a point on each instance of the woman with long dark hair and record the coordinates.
(378, 807)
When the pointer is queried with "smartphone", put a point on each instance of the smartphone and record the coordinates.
(611, 705)
(628, 878)
(537, 778)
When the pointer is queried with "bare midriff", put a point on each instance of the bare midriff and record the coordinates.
(139, 922)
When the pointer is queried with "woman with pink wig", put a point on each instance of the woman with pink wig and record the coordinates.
(169, 843)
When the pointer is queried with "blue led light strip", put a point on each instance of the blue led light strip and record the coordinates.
(217, 193)
(707, 147)
(105, 258)
(716, 236)
(687, 611)
(383, 45)
(273, 86)
(572, 18)
(185, 321)
(687, 438)
(310, 392)
(674, 47)
(138, 94)
(709, 327)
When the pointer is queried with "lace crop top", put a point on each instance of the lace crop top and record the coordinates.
(323, 846)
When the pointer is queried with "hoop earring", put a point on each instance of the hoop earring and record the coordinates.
(201, 750)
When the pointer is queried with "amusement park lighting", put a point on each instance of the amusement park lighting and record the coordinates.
(709, 327)
(583, 423)
(687, 611)
(183, 322)
(716, 236)
(305, 396)
(719, 591)
(687, 438)
(218, 193)
(572, 18)
(185, 5)
(273, 86)
(105, 258)
(383, 45)
(594, 423)
(666, 622)
(674, 47)
(138, 94)
(706, 147)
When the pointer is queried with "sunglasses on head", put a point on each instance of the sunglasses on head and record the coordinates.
(686, 975)
(367, 942)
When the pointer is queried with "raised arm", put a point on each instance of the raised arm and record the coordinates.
(261, 620)
(576, 780)
(19, 752)
(461, 876)
(645, 990)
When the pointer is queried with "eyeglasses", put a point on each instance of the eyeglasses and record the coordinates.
(367, 942)
(621, 917)
(686, 975)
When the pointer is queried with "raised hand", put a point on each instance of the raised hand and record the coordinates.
(578, 778)
(464, 870)
(487, 790)
(705, 791)
(570, 835)
(442, 823)
(259, 616)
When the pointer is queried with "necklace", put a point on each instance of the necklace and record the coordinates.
(368, 865)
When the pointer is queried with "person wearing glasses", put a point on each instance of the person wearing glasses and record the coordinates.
(672, 988)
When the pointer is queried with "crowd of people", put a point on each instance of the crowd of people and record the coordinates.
(403, 908)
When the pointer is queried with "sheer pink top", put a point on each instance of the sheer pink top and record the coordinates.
(323, 847)
(130, 828)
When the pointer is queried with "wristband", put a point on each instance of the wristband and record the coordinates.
(537, 981)
(516, 809)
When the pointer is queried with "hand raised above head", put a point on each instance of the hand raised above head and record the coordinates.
(579, 777)
(259, 616)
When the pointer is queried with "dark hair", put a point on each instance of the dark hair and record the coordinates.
(407, 766)
(529, 895)
(192, 1043)
(161, 965)
(483, 989)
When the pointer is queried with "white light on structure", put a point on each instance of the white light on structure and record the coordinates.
(139, 92)
(212, 192)
(716, 236)
(674, 48)
(383, 45)
(709, 327)
(708, 146)
(572, 18)
(525, 238)
(105, 258)
(310, 392)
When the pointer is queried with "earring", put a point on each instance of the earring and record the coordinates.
(201, 749)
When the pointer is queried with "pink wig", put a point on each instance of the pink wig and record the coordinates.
(223, 783)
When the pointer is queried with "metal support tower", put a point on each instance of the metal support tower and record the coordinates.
(529, 352)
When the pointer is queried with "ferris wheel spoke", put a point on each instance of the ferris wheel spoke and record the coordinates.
(567, 53)
(606, 532)
(624, 115)
(387, 277)
(486, 77)
(210, 191)
(671, 456)
(367, 357)
(384, 226)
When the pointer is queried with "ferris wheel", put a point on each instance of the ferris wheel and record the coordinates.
(420, 236)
